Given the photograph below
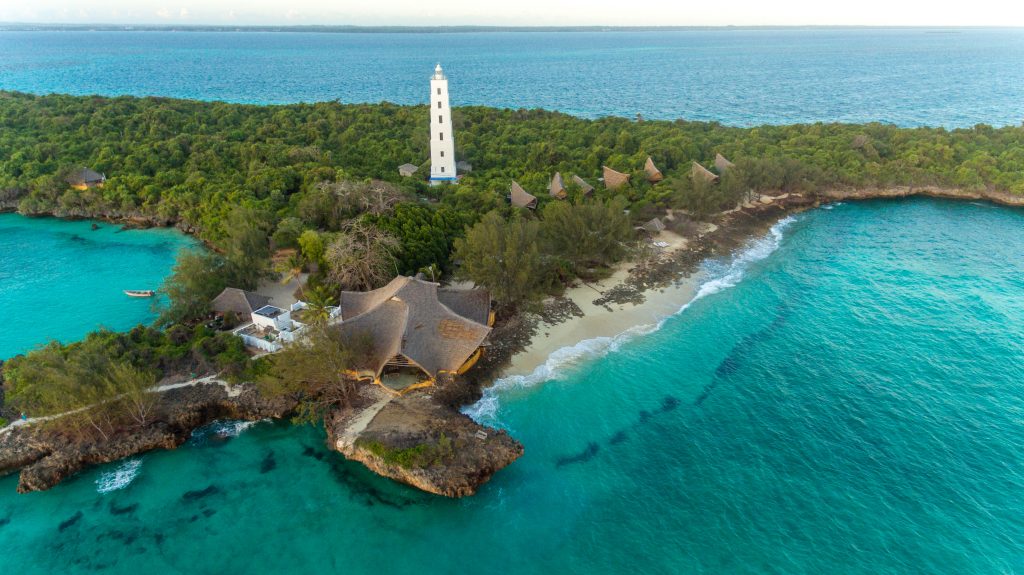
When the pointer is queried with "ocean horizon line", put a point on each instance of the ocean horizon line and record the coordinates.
(462, 28)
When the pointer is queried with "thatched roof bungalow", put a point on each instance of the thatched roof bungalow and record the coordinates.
(654, 175)
(723, 165)
(585, 188)
(614, 180)
(84, 178)
(407, 170)
(521, 198)
(556, 189)
(413, 323)
(699, 172)
(655, 226)
(241, 302)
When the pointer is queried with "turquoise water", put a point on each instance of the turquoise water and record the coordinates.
(909, 77)
(846, 396)
(62, 279)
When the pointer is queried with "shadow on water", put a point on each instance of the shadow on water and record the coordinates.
(5, 521)
(668, 403)
(71, 521)
(582, 457)
(198, 494)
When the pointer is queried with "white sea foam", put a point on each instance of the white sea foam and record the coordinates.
(719, 277)
(119, 477)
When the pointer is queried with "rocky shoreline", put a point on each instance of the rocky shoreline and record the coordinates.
(420, 438)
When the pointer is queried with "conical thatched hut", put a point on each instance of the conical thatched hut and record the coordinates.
(655, 226)
(585, 188)
(557, 187)
(521, 198)
(241, 302)
(614, 180)
(699, 172)
(722, 164)
(654, 175)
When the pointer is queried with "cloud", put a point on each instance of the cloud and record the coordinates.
(163, 13)
(184, 13)
(293, 14)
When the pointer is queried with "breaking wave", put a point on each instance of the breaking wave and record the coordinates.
(119, 477)
(720, 276)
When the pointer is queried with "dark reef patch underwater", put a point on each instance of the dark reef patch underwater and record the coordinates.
(862, 374)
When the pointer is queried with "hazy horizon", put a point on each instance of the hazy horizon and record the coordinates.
(525, 13)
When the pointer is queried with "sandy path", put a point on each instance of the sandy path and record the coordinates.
(359, 422)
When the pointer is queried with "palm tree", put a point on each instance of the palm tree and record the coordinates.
(318, 302)
(291, 270)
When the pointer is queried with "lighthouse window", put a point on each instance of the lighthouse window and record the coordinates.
(440, 135)
(442, 169)
(442, 153)
(440, 119)
(439, 104)
(439, 91)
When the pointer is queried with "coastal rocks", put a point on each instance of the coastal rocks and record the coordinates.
(994, 196)
(417, 441)
(45, 458)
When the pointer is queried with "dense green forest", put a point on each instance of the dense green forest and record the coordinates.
(322, 179)
(194, 161)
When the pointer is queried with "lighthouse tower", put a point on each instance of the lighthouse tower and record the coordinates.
(442, 136)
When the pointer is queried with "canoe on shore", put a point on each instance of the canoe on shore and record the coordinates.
(139, 293)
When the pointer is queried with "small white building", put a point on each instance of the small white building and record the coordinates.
(442, 135)
(270, 317)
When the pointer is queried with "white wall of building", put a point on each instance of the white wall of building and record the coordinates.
(442, 136)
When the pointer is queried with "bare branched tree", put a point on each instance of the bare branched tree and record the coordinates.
(362, 256)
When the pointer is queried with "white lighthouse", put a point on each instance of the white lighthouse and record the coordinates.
(442, 136)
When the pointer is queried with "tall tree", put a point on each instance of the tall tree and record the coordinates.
(196, 279)
(591, 233)
(504, 256)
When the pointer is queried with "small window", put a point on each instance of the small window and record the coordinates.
(439, 91)
(439, 104)
(442, 153)
(440, 135)
(440, 119)
(442, 169)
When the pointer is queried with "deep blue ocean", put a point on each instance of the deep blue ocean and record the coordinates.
(846, 395)
(909, 77)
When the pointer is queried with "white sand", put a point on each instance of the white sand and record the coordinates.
(599, 321)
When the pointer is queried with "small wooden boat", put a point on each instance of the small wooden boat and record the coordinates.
(139, 293)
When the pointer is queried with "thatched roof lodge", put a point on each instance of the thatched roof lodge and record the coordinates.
(407, 170)
(414, 323)
(556, 189)
(614, 180)
(655, 226)
(521, 198)
(585, 188)
(699, 172)
(238, 301)
(84, 178)
(722, 164)
(654, 175)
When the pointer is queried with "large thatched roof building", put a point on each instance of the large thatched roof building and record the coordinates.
(414, 323)
(585, 188)
(521, 198)
(614, 180)
(722, 164)
(654, 175)
(238, 301)
(556, 189)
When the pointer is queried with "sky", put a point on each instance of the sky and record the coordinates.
(519, 12)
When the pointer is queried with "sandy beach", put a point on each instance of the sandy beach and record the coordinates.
(609, 320)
